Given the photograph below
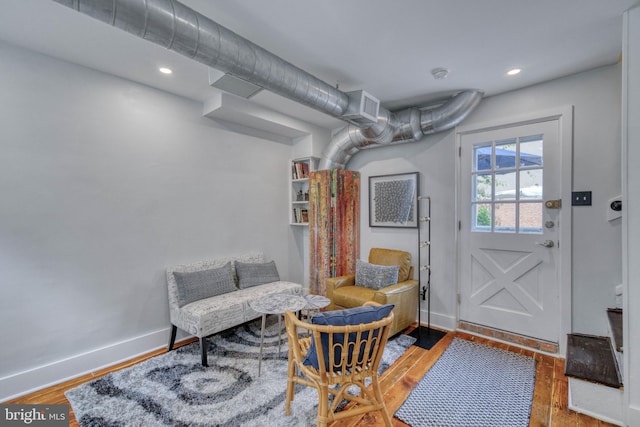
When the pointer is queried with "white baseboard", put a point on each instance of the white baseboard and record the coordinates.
(596, 400)
(438, 320)
(633, 416)
(40, 377)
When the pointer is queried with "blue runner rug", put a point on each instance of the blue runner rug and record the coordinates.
(473, 385)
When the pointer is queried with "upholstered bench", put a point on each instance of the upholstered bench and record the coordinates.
(210, 296)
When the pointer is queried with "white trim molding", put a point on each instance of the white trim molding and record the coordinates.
(40, 377)
(630, 134)
(564, 116)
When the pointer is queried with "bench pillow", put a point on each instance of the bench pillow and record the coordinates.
(376, 276)
(197, 285)
(256, 273)
(350, 316)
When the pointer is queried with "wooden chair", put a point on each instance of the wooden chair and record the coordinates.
(349, 367)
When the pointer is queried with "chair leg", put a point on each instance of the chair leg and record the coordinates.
(203, 349)
(291, 371)
(172, 339)
(380, 400)
(323, 405)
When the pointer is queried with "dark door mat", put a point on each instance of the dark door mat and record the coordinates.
(615, 319)
(591, 358)
(426, 337)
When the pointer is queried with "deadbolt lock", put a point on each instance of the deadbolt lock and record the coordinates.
(553, 204)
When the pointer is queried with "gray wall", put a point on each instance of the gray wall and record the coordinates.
(596, 242)
(103, 184)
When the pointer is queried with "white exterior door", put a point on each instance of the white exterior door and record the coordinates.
(509, 237)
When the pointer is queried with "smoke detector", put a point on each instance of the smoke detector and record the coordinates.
(439, 73)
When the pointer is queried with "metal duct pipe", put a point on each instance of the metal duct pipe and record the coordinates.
(407, 125)
(450, 114)
(181, 29)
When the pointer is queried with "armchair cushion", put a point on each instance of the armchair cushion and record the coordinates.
(197, 285)
(253, 274)
(375, 276)
(381, 256)
(351, 316)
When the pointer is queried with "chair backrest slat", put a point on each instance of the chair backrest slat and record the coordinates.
(363, 344)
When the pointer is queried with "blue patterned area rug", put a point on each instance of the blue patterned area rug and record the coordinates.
(173, 389)
(473, 385)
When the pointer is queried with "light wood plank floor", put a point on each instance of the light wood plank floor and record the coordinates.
(549, 406)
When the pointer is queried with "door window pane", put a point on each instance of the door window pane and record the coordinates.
(530, 218)
(505, 185)
(531, 184)
(531, 150)
(506, 153)
(483, 157)
(482, 187)
(481, 217)
(505, 216)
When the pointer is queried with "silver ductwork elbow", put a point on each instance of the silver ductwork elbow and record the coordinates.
(408, 125)
(351, 139)
(451, 113)
(345, 143)
(408, 128)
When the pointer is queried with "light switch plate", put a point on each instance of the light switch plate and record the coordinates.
(581, 198)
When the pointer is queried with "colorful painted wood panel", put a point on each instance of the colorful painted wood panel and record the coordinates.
(334, 225)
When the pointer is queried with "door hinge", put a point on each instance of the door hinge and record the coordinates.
(459, 225)
(460, 151)
(458, 297)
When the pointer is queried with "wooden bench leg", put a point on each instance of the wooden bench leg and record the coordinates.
(203, 349)
(172, 339)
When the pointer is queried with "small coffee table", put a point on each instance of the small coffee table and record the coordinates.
(275, 304)
(315, 303)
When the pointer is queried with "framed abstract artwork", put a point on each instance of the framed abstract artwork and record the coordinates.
(393, 200)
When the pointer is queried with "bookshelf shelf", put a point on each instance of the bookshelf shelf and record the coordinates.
(299, 189)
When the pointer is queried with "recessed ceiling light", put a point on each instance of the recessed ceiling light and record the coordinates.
(513, 71)
(165, 70)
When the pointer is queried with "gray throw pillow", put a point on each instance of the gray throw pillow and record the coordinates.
(197, 285)
(253, 274)
(376, 276)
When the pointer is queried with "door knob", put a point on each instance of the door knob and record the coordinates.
(546, 243)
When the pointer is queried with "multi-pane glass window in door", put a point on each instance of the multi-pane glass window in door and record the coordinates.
(507, 185)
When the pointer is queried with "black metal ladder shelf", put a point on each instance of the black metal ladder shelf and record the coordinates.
(425, 336)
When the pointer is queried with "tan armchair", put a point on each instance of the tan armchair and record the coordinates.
(404, 295)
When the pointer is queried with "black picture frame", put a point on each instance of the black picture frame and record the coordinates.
(393, 200)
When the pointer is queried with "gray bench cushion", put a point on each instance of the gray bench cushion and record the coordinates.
(211, 315)
(196, 285)
(256, 273)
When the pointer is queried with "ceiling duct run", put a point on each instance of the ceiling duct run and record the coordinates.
(179, 28)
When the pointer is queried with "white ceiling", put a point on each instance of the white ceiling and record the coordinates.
(385, 47)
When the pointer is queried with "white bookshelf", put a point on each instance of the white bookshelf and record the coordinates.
(299, 170)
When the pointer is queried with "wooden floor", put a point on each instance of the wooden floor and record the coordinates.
(549, 406)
